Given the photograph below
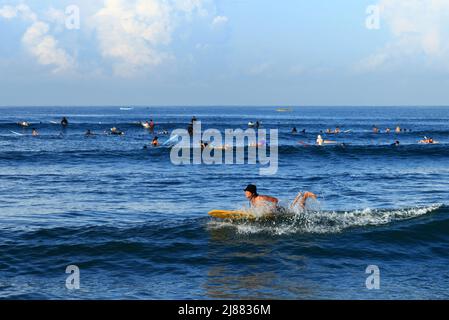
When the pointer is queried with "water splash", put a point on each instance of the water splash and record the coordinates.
(323, 222)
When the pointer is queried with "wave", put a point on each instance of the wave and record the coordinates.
(327, 222)
(136, 151)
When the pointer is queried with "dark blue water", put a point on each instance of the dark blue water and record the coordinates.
(137, 226)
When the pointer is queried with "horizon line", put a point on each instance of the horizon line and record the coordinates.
(219, 106)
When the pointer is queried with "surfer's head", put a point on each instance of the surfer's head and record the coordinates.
(250, 191)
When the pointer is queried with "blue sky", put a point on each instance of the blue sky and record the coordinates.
(224, 52)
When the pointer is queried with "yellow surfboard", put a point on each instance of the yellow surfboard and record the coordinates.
(236, 215)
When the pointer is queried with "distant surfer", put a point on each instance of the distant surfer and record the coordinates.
(155, 142)
(23, 124)
(427, 141)
(203, 144)
(254, 124)
(294, 130)
(396, 143)
(319, 140)
(115, 131)
(89, 133)
(387, 130)
(64, 122)
(35, 133)
(375, 129)
(398, 129)
(151, 125)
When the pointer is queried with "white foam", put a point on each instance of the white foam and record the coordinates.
(322, 222)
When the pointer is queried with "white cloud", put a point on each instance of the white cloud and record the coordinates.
(45, 47)
(37, 40)
(9, 12)
(133, 33)
(419, 29)
(219, 21)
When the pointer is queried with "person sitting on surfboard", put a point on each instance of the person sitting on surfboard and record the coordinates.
(155, 142)
(258, 200)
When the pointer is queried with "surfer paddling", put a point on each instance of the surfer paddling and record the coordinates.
(258, 200)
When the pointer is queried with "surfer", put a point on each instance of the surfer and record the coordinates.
(155, 142)
(89, 133)
(319, 140)
(34, 133)
(387, 130)
(258, 200)
(398, 129)
(294, 130)
(396, 143)
(115, 131)
(64, 122)
(203, 144)
(427, 141)
(375, 129)
(151, 125)
(24, 124)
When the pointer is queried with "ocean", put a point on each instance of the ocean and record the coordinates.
(137, 227)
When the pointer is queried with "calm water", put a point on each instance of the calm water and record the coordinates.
(137, 226)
